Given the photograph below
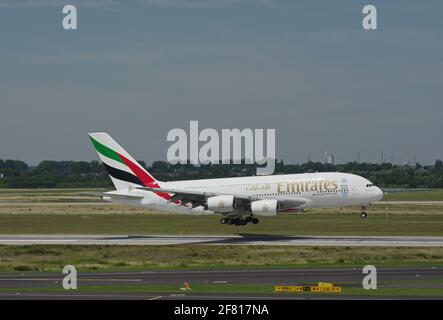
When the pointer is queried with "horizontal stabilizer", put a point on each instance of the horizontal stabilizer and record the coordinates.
(113, 195)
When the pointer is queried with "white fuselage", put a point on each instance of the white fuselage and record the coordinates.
(317, 190)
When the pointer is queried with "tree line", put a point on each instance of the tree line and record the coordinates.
(77, 174)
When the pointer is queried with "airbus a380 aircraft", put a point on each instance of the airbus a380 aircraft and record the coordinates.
(238, 200)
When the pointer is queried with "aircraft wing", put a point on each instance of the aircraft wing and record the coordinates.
(196, 194)
(198, 198)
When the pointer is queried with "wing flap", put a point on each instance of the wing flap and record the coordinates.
(191, 194)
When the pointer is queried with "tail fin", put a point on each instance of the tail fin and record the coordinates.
(123, 169)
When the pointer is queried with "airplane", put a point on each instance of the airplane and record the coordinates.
(238, 200)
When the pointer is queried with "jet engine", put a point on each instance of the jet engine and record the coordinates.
(267, 207)
(221, 204)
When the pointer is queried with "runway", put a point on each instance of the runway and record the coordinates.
(343, 276)
(241, 239)
(413, 277)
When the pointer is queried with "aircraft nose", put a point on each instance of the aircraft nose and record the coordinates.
(379, 193)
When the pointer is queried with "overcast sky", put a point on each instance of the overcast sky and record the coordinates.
(137, 69)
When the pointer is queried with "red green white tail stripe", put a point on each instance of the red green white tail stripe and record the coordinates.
(124, 170)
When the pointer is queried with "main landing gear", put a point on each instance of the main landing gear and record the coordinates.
(239, 221)
(363, 213)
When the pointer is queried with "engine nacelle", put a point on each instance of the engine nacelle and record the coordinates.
(222, 204)
(267, 207)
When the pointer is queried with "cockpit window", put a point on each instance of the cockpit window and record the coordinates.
(370, 185)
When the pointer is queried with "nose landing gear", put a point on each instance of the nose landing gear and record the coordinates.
(363, 213)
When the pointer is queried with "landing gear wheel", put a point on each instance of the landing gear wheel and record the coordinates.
(238, 220)
(251, 219)
(363, 215)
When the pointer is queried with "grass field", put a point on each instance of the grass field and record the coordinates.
(104, 219)
(113, 258)
(434, 195)
(51, 211)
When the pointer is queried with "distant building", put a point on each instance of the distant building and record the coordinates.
(329, 158)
